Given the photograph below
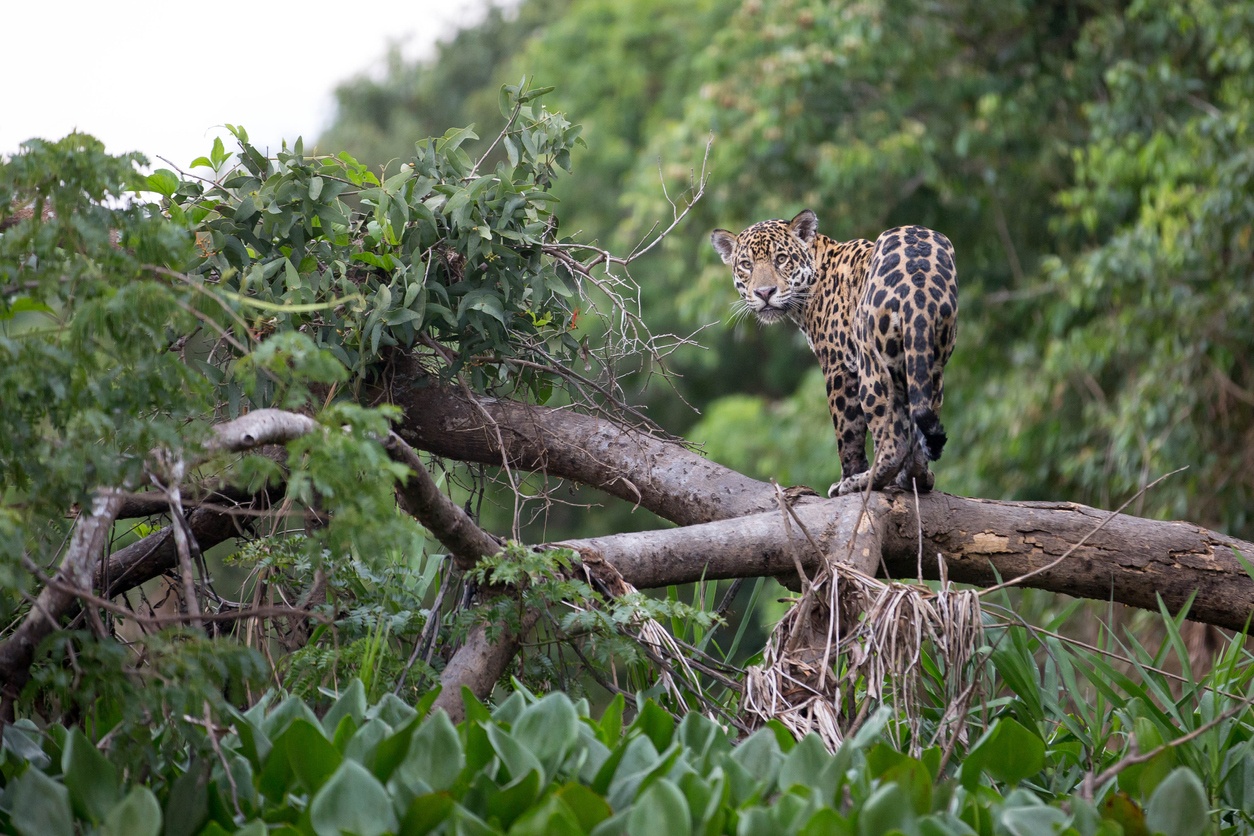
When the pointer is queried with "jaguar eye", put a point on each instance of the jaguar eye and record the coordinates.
(745, 265)
(781, 260)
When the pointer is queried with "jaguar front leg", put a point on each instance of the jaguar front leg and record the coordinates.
(849, 420)
(885, 411)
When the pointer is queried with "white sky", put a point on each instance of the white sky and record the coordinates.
(161, 76)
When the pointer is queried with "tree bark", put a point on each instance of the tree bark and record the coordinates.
(661, 475)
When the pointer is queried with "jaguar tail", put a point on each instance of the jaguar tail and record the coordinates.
(934, 437)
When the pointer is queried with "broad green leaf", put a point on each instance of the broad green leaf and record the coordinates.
(887, 810)
(760, 756)
(518, 760)
(188, 804)
(22, 738)
(138, 814)
(163, 181)
(656, 723)
(427, 811)
(661, 808)
(351, 703)
(589, 808)
(804, 764)
(551, 817)
(1007, 752)
(287, 711)
(1179, 806)
(435, 757)
(1036, 820)
(549, 729)
(353, 801)
(826, 822)
(515, 798)
(312, 757)
(39, 806)
(89, 776)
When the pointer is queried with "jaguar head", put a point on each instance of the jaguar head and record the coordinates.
(772, 264)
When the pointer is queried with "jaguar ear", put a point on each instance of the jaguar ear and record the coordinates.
(805, 226)
(724, 243)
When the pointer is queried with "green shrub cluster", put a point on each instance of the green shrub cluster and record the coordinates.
(544, 765)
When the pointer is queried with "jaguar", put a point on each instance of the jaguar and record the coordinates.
(881, 317)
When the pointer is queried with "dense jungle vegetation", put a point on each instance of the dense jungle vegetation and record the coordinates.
(527, 214)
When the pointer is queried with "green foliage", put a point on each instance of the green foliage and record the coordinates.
(127, 327)
(1090, 161)
(544, 765)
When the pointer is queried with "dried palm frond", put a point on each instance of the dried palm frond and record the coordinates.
(851, 641)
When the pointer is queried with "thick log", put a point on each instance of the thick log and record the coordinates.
(656, 473)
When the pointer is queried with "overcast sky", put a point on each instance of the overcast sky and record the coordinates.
(161, 76)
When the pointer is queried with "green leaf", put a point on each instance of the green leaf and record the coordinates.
(311, 756)
(1007, 752)
(655, 723)
(39, 806)
(351, 703)
(427, 811)
(22, 739)
(353, 801)
(515, 798)
(661, 808)
(549, 729)
(163, 181)
(138, 814)
(1032, 818)
(1179, 806)
(187, 806)
(610, 728)
(589, 808)
(435, 757)
(888, 810)
(518, 760)
(454, 138)
(90, 778)
(552, 817)
(806, 762)
(760, 757)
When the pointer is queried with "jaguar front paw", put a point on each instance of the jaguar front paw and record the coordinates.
(854, 484)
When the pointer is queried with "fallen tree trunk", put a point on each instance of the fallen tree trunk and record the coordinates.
(1128, 560)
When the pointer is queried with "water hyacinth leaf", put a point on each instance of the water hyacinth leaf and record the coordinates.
(352, 801)
(39, 806)
(661, 808)
(310, 755)
(427, 811)
(435, 755)
(656, 723)
(887, 810)
(138, 814)
(549, 729)
(89, 776)
(517, 760)
(514, 799)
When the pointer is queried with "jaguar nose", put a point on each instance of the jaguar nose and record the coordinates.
(764, 293)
